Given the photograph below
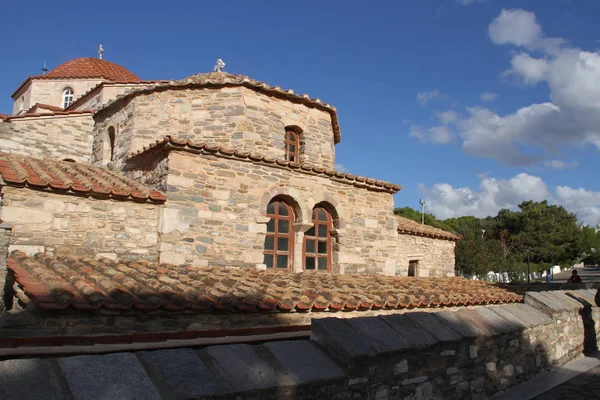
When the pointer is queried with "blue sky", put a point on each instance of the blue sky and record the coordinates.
(473, 105)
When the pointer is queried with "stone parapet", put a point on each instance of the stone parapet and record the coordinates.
(468, 354)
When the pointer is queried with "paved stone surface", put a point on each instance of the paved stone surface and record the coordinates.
(587, 274)
(245, 370)
(338, 337)
(112, 376)
(185, 375)
(435, 326)
(509, 316)
(542, 302)
(305, 362)
(478, 322)
(528, 314)
(583, 386)
(412, 332)
(28, 379)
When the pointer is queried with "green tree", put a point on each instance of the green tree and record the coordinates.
(590, 246)
(415, 215)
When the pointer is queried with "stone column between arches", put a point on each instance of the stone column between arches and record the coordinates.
(300, 228)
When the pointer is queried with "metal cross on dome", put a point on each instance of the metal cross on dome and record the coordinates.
(100, 51)
(219, 66)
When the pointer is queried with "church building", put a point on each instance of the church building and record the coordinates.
(214, 170)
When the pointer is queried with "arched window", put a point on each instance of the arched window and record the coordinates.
(292, 145)
(108, 145)
(67, 97)
(279, 239)
(317, 241)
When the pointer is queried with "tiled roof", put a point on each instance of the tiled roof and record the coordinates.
(4, 116)
(409, 226)
(220, 79)
(72, 178)
(62, 282)
(90, 92)
(45, 107)
(49, 114)
(86, 67)
(170, 143)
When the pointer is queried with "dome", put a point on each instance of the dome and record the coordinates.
(88, 67)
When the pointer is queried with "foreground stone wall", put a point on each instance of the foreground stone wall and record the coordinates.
(71, 225)
(435, 257)
(234, 117)
(55, 137)
(217, 207)
(5, 231)
(469, 354)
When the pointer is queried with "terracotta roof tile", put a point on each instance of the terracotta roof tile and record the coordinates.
(170, 143)
(221, 79)
(48, 114)
(72, 178)
(409, 226)
(45, 107)
(86, 67)
(64, 282)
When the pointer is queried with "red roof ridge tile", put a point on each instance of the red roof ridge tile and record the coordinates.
(60, 282)
(220, 79)
(45, 115)
(78, 178)
(84, 96)
(408, 226)
(173, 143)
(83, 68)
(44, 106)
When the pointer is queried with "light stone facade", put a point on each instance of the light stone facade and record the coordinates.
(234, 117)
(72, 225)
(50, 91)
(433, 257)
(56, 137)
(216, 208)
(216, 211)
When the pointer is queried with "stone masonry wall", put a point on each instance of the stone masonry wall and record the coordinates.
(123, 122)
(50, 91)
(469, 354)
(435, 256)
(53, 137)
(5, 231)
(216, 215)
(71, 225)
(234, 117)
(108, 92)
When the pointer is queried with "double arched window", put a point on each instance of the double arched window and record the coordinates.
(317, 249)
(67, 98)
(317, 241)
(279, 240)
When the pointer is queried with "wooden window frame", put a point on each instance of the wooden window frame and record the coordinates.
(292, 139)
(328, 223)
(276, 235)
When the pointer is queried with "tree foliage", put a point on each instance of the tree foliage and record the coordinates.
(537, 234)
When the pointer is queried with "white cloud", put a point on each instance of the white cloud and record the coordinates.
(340, 168)
(435, 135)
(488, 96)
(446, 201)
(521, 28)
(559, 164)
(467, 2)
(425, 97)
(570, 117)
(447, 117)
(530, 70)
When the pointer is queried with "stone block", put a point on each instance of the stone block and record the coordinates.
(30, 250)
(436, 327)
(380, 335)
(111, 376)
(411, 332)
(528, 314)
(586, 296)
(544, 303)
(305, 361)
(500, 323)
(184, 374)
(478, 322)
(340, 339)
(244, 369)
(569, 302)
(460, 326)
(29, 379)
